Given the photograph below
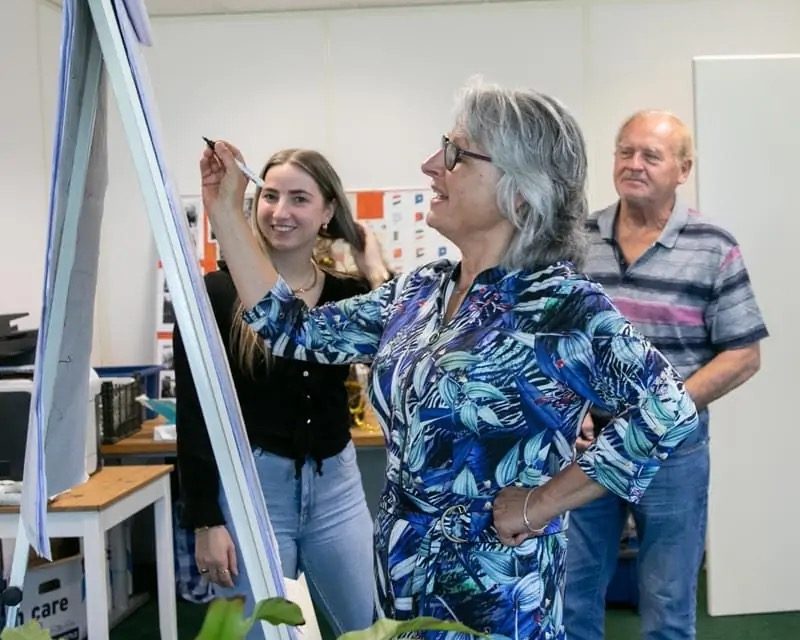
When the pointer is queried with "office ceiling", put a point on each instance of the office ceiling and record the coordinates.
(208, 7)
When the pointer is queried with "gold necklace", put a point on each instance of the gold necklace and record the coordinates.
(311, 286)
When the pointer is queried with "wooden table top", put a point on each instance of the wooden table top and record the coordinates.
(104, 488)
(141, 443)
(370, 436)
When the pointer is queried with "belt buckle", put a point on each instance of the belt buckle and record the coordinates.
(455, 511)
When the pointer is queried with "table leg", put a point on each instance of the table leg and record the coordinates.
(162, 509)
(96, 568)
(118, 566)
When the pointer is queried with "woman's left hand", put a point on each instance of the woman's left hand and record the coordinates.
(370, 261)
(508, 520)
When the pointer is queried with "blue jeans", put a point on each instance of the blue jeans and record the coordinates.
(671, 524)
(324, 529)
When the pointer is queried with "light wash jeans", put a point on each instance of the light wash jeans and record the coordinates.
(671, 525)
(324, 529)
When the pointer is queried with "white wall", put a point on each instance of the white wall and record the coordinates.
(372, 89)
(24, 165)
(750, 179)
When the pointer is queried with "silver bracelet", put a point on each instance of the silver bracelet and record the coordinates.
(536, 532)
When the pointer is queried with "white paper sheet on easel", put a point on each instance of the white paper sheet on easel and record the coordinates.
(54, 456)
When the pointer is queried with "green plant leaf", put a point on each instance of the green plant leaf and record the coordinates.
(29, 631)
(386, 628)
(278, 611)
(224, 620)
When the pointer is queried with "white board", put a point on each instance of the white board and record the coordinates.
(748, 144)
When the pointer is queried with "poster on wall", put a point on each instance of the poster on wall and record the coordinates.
(207, 252)
(192, 207)
(166, 382)
(397, 217)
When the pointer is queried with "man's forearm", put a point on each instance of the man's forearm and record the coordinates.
(722, 374)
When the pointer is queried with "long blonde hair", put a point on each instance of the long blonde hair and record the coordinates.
(247, 348)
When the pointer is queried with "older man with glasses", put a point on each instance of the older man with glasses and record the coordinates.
(682, 282)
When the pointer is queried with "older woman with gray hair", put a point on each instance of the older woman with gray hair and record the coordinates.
(482, 370)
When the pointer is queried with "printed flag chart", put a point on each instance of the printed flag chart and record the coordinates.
(397, 217)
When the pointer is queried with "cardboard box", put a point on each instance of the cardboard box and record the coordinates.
(53, 594)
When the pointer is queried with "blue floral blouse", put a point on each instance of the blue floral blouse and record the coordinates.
(491, 398)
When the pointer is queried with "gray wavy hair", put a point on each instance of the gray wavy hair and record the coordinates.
(538, 146)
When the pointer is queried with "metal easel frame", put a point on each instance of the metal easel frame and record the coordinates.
(192, 308)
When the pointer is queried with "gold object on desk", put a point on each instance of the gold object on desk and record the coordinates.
(365, 430)
(361, 413)
(369, 435)
(356, 402)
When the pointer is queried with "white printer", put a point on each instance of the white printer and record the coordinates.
(16, 389)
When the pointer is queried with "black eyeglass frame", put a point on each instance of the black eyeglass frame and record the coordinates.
(451, 159)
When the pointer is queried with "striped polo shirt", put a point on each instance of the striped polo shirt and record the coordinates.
(689, 293)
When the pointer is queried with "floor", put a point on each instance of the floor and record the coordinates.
(621, 624)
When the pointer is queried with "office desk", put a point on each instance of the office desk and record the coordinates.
(88, 510)
(142, 445)
(369, 437)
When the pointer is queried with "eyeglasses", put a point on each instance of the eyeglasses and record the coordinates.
(453, 154)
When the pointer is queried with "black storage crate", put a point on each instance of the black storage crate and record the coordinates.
(118, 413)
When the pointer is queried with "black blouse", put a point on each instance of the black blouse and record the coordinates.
(294, 409)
